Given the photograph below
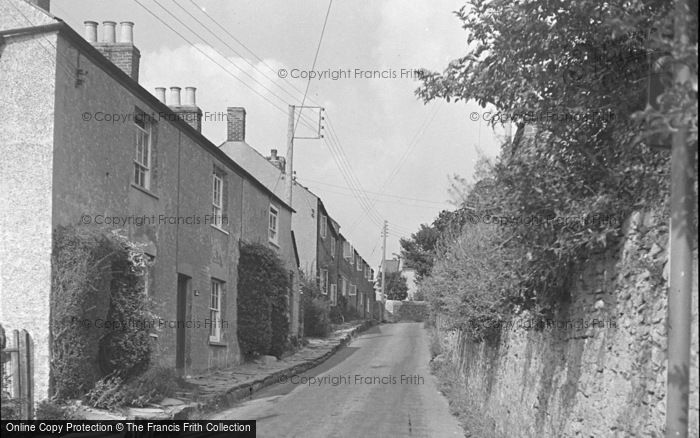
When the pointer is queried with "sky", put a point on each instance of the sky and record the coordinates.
(395, 152)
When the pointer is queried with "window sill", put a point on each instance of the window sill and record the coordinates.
(219, 229)
(217, 343)
(273, 243)
(144, 190)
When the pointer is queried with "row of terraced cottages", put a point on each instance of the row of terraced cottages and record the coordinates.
(64, 163)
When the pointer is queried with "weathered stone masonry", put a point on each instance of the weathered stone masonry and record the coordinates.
(608, 379)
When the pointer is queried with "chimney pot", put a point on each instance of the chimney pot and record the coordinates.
(190, 99)
(160, 93)
(108, 31)
(235, 123)
(91, 31)
(126, 32)
(174, 96)
(273, 154)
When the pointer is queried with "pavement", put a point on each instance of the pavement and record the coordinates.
(219, 389)
(378, 385)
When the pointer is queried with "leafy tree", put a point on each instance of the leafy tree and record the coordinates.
(396, 286)
(578, 73)
(418, 251)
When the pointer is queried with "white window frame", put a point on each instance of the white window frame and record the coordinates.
(360, 300)
(334, 294)
(217, 290)
(333, 248)
(217, 208)
(353, 290)
(273, 224)
(348, 251)
(324, 281)
(324, 226)
(344, 286)
(142, 159)
(359, 264)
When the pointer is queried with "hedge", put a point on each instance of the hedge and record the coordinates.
(263, 303)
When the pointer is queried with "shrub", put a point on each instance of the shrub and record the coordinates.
(97, 274)
(336, 315)
(9, 407)
(107, 393)
(54, 410)
(263, 287)
(473, 280)
(152, 386)
(149, 387)
(317, 320)
(279, 321)
(316, 310)
(350, 314)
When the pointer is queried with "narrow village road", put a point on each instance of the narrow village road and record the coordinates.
(378, 386)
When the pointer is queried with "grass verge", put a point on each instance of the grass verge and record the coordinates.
(474, 422)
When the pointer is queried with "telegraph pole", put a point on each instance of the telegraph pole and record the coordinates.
(288, 168)
(291, 135)
(681, 272)
(383, 295)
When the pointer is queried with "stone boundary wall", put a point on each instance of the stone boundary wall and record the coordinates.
(596, 368)
(396, 311)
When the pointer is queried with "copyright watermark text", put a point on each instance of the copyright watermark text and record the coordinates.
(352, 379)
(349, 73)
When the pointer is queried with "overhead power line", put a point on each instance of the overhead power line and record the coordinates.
(379, 193)
(241, 56)
(313, 65)
(227, 71)
(249, 50)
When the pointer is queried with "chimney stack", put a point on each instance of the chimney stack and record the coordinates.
(276, 160)
(122, 53)
(235, 124)
(187, 110)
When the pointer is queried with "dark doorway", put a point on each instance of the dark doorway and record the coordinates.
(183, 288)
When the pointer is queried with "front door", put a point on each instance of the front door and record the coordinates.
(183, 287)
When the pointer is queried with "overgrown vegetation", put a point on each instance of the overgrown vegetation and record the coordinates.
(336, 314)
(462, 405)
(317, 322)
(346, 311)
(113, 392)
(575, 81)
(10, 407)
(97, 288)
(55, 410)
(263, 302)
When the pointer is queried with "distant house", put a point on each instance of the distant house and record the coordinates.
(66, 160)
(324, 253)
(410, 275)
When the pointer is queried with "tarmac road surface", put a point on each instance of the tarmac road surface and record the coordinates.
(379, 385)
